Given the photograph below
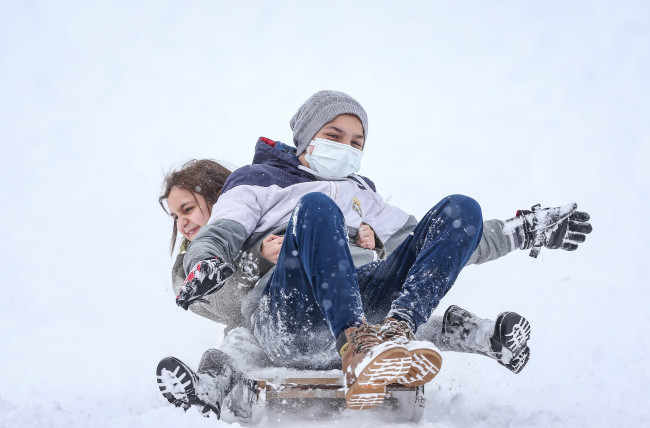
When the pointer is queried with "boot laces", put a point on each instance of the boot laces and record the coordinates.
(365, 337)
(393, 329)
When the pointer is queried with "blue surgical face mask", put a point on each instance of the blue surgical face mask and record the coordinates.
(334, 159)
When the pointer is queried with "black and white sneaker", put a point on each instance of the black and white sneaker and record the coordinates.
(505, 340)
(511, 335)
(178, 384)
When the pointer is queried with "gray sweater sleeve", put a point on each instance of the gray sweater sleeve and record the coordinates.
(398, 237)
(223, 238)
(223, 307)
(494, 243)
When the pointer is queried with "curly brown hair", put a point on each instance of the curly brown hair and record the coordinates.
(205, 177)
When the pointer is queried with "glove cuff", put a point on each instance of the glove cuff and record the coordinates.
(515, 228)
(524, 234)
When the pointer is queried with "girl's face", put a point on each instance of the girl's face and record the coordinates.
(189, 210)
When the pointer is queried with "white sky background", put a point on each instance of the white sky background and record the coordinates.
(509, 103)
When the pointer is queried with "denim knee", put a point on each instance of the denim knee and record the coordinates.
(465, 207)
(317, 204)
(316, 199)
(465, 213)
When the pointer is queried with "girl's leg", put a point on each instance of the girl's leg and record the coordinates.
(313, 295)
(409, 283)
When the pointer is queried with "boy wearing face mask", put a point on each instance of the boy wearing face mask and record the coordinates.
(331, 302)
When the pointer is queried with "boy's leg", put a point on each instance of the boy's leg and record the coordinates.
(403, 289)
(410, 282)
(313, 295)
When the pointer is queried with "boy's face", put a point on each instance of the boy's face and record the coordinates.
(189, 210)
(344, 129)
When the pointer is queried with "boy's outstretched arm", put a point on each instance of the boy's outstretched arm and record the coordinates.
(560, 227)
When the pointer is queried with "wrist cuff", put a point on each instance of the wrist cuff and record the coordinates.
(513, 228)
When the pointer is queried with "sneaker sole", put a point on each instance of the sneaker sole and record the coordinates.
(369, 389)
(175, 381)
(518, 362)
(425, 366)
(516, 337)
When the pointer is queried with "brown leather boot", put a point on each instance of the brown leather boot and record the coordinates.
(369, 364)
(426, 359)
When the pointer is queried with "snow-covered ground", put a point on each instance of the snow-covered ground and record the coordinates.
(511, 103)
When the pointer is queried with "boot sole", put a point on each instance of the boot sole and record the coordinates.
(425, 366)
(369, 389)
(365, 397)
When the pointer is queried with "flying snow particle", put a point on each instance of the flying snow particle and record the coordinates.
(291, 263)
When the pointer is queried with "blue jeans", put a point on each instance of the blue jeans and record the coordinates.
(316, 292)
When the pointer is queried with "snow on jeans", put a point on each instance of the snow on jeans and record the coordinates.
(316, 292)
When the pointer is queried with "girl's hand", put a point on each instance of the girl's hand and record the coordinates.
(366, 237)
(271, 247)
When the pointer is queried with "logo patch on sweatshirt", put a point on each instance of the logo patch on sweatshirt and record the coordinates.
(356, 207)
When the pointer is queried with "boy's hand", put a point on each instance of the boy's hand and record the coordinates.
(271, 246)
(560, 227)
(366, 237)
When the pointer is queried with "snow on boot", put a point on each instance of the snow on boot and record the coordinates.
(182, 387)
(426, 359)
(505, 340)
(242, 403)
(369, 364)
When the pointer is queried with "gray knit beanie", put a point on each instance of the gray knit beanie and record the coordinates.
(322, 108)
